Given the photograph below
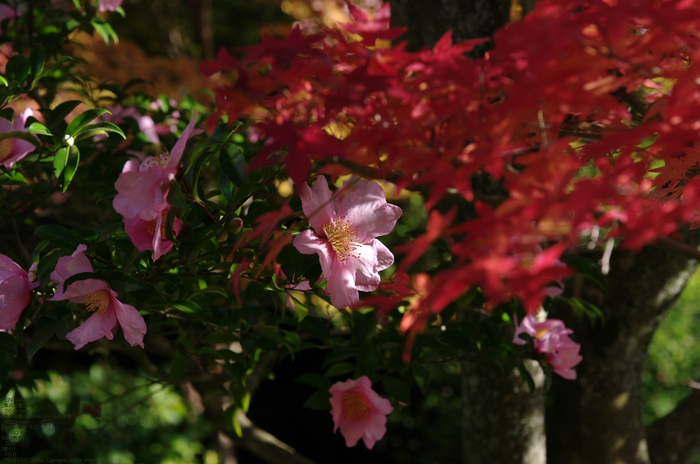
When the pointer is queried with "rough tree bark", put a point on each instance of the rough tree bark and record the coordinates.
(428, 20)
(502, 420)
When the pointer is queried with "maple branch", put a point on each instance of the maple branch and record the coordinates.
(675, 438)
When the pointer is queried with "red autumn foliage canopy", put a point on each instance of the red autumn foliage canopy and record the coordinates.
(586, 115)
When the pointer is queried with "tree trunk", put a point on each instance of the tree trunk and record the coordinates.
(598, 418)
(502, 420)
(428, 20)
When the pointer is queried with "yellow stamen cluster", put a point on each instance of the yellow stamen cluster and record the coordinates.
(6, 147)
(541, 333)
(161, 160)
(355, 405)
(151, 225)
(97, 301)
(343, 238)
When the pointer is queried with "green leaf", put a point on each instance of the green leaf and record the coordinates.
(244, 191)
(340, 369)
(13, 178)
(124, 283)
(20, 135)
(59, 113)
(61, 60)
(59, 161)
(226, 187)
(36, 62)
(525, 374)
(57, 235)
(297, 266)
(422, 377)
(83, 119)
(302, 311)
(78, 277)
(245, 402)
(397, 389)
(175, 197)
(39, 128)
(46, 328)
(232, 164)
(99, 128)
(17, 69)
(319, 401)
(105, 30)
(169, 224)
(231, 415)
(177, 367)
(8, 344)
(71, 166)
(3, 81)
(185, 306)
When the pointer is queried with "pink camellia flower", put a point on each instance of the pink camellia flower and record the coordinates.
(551, 337)
(13, 150)
(110, 5)
(143, 233)
(359, 412)
(16, 285)
(344, 237)
(98, 298)
(144, 192)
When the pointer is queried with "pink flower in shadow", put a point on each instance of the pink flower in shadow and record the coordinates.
(16, 285)
(143, 191)
(358, 411)
(551, 338)
(344, 237)
(110, 5)
(143, 233)
(98, 298)
(13, 150)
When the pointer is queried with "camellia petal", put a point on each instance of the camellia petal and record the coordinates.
(110, 5)
(99, 298)
(97, 326)
(368, 212)
(68, 266)
(374, 257)
(551, 338)
(317, 204)
(179, 148)
(143, 233)
(308, 243)
(14, 297)
(144, 192)
(358, 411)
(342, 284)
(131, 322)
(344, 238)
(13, 150)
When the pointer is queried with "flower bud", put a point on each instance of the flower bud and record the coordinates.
(235, 226)
(222, 236)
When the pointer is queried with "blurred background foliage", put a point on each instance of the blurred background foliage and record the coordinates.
(673, 361)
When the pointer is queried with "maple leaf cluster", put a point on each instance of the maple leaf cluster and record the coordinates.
(586, 115)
